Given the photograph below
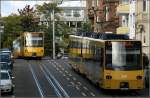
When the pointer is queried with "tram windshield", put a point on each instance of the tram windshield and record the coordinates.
(34, 40)
(123, 55)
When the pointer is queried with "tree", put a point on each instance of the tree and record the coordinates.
(61, 28)
(28, 19)
(86, 27)
(12, 29)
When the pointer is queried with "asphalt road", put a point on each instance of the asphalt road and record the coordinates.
(55, 78)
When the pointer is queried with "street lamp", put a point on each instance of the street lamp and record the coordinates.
(53, 12)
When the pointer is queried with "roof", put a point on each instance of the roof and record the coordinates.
(73, 4)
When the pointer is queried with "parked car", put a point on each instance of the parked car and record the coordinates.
(65, 56)
(6, 50)
(5, 57)
(6, 84)
(5, 66)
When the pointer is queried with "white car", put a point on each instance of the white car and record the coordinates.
(6, 84)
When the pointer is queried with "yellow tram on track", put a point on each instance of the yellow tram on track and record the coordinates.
(29, 44)
(112, 61)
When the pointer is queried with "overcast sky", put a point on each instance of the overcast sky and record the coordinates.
(8, 7)
(11, 6)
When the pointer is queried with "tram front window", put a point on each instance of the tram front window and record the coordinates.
(34, 43)
(123, 56)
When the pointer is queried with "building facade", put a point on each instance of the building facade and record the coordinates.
(102, 14)
(143, 24)
(74, 13)
(126, 12)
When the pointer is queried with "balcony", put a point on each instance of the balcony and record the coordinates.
(123, 30)
(111, 1)
(123, 9)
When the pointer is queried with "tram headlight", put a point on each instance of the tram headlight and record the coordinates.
(108, 77)
(138, 77)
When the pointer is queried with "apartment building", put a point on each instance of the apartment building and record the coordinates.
(143, 24)
(126, 13)
(102, 14)
(74, 13)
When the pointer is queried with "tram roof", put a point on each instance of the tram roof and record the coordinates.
(103, 37)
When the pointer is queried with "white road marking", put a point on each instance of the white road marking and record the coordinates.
(77, 88)
(66, 71)
(59, 66)
(79, 83)
(57, 83)
(63, 69)
(74, 78)
(72, 83)
(60, 71)
(54, 66)
(57, 69)
(85, 88)
(70, 75)
(68, 78)
(92, 94)
(83, 94)
(36, 81)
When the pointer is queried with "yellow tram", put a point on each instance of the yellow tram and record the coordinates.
(29, 44)
(113, 62)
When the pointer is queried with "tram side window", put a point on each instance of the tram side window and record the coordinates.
(70, 44)
(87, 48)
(84, 45)
(98, 55)
(76, 44)
(101, 56)
(73, 44)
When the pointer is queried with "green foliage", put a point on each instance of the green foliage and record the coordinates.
(12, 29)
(86, 27)
(61, 28)
(28, 20)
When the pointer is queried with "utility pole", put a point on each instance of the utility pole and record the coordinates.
(53, 13)
(53, 33)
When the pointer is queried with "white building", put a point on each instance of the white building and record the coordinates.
(126, 11)
(143, 24)
(74, 12)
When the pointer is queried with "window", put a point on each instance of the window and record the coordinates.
(93, 3)
(68, 13)
(144, 5)
(125, 1)
(144, 39)
(76, 13)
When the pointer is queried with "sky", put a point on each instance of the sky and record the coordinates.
(11, 6)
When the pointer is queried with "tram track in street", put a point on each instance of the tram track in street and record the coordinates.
(78, 85)
(36, 81)
(48, 78)
(57, 87)
(53, 83)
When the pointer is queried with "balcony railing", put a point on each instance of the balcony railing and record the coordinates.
(123, 30)
(111, 1)
(123, 9)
